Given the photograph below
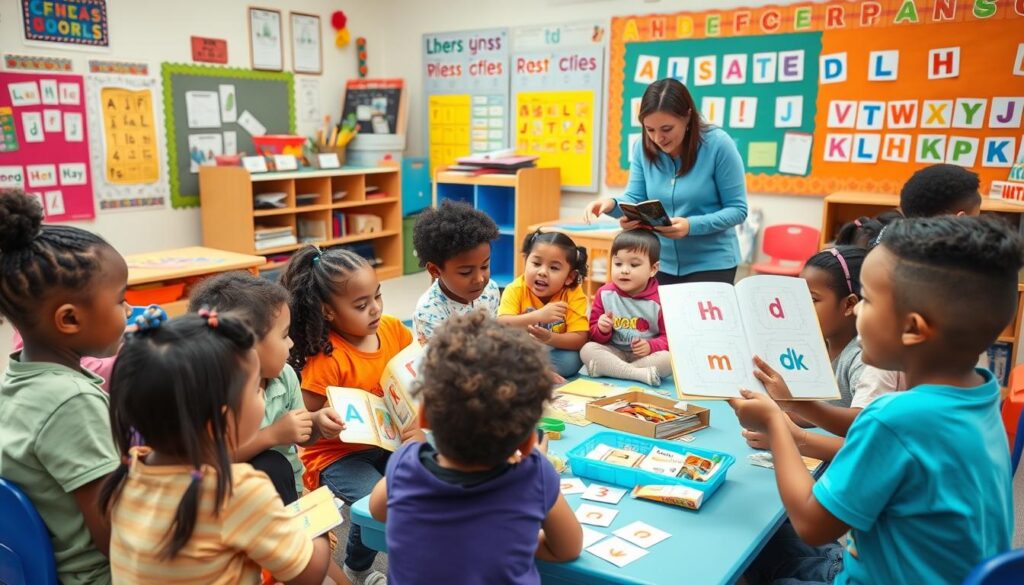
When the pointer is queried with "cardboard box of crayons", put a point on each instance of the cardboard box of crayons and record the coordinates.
(646, 424)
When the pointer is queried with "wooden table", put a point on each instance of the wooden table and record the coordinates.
(168, 266)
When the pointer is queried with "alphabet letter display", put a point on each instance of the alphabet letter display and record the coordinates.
(715, 329)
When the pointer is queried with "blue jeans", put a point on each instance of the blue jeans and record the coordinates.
(788, 560)
(565, 361)
(351, 478)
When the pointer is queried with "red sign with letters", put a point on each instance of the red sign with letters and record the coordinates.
(209, 50)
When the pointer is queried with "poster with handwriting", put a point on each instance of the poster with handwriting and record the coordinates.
(46, 143)
(129, 166)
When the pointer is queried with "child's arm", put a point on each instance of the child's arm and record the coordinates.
(601, 328)
(834, 419)
(316, 569)
(572, 340)
(815, 525)
(561, 538)
(550, 313)
(379, 501)
(292, 427)
(88, 499)
(815, 445)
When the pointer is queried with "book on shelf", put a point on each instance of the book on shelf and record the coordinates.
(288, 240)
(274, 200)
(339, 226)
(311, 230)
(267, 232)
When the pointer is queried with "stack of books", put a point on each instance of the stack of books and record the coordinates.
(500, 162)
(274, 236)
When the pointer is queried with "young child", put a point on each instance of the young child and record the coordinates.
(922, 483)
(454, 243)
(863, 232)
(465, 499)
(627, 330)
(342, 338)
(63, 289)
(180, 511)
(286, 422)
(547, 300)
(941, 189)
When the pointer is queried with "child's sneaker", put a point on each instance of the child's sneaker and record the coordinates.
(367, 577)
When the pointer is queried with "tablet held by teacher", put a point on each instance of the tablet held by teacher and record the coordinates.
(694, 170)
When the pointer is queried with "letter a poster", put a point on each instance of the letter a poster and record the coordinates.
(128, 164)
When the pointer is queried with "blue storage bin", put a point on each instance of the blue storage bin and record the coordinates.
(629, 477)
(416, 194)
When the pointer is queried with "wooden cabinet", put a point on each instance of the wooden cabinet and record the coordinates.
(311, 201)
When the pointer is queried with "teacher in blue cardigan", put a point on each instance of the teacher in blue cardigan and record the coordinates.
(696, 172)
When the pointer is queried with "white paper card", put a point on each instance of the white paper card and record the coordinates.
(572, 485)
(51, 120)
(202, 148)
(54, 203)
(641, 534)
(591, 536)
(25, 93)
(49, 91)
(73, 174)
(41, 176)
(285, 162)
(251, 124)
(70, 94)
(595, 515)
(228, 103)
(230, 142)
(74, 127)
(796, 153)
(328, 160)
(203, 108)
(254, 164)
(616, 551)
(12, 177)
(32, 126)
(601, 493)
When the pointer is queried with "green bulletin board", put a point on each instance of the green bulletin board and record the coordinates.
(268, 97)
(755, 144)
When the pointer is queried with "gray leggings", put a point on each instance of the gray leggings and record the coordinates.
(613, 362)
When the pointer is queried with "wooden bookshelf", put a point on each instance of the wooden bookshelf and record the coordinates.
(514, 202)
(230, 219)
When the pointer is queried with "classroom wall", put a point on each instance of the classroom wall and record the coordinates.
(403, 58)
(154, 32)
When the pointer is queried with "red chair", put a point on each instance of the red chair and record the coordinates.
(788, 246)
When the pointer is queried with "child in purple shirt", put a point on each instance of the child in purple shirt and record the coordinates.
(470, 511)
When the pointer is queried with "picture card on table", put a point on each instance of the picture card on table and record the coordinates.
(601, 493)
(591, 536)
(572, 485)
(596, 515)
(641, 534)
(616, 551)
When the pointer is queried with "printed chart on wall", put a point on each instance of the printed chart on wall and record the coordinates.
(44, 143)
(826, 97)
(466, 85)
(556, 96)
(214, 111)
(128, 163)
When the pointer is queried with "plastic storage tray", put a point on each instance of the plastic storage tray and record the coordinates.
(629, 477)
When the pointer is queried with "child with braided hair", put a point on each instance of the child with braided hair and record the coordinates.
(180, 511)
(63, 289)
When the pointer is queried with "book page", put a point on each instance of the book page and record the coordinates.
(397, 381)
(710, 354)
(366, 419)
(783, 330)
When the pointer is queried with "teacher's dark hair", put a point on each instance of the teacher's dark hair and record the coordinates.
(671, 96)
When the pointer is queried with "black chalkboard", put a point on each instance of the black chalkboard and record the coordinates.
(268, 96)
(375, 98)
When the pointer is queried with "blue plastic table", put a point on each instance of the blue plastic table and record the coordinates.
(712, 545)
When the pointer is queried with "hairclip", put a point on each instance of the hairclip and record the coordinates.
(210, 315)
(197, 474)
(857, 223)
(151, 318)
(878, 238)
(846, 269)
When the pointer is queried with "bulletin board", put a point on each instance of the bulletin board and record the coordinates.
(129, 168)
(556, 90)
(378, 104)
(217, 110)
(835, 88)
(44, 142)
(466, 87)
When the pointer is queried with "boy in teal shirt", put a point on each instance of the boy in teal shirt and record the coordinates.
(922, 484)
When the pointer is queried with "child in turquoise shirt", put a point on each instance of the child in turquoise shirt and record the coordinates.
(922, 484)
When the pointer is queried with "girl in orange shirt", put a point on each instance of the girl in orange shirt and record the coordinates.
(342, 338)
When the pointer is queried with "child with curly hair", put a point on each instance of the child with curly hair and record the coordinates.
(482, 398)
(453, 242)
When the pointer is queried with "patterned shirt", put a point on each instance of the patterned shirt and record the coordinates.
(434, 308)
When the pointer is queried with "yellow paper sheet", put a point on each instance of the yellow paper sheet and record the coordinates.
(129, 136)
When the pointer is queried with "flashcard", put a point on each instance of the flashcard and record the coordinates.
(48, 89)
(764, 67)
(679, 69)
(596, 515)
(25, 93)
(70, 94)
(32, 126)
(704, 70)
(572, 485)
(832, 68)
(712, 109)
(74, 128)
(591, 536)
(641, 534)
(646, 69)
(601, 493)
(616, 551)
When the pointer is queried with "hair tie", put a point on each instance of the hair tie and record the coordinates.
(857, 223)
(196, 474)
(318, 253)
(151, 318)
(846, 269)
(211, 317)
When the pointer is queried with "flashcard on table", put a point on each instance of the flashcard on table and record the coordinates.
(602, 493)
(616, 551)
(595, 515)
(572, 485)
(641, 534)
(591, 536)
